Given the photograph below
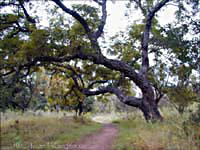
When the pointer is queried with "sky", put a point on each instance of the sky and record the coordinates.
(116, 19)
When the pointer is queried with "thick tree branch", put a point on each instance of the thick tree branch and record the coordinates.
(29, 18)
(145, 37)
(93, 36)
(129, 100)
(7, 73)
(98, 2)
(96, 59)
(74, 75)
(96, 82)
(158, 7)
(103, 20)
(74, 14)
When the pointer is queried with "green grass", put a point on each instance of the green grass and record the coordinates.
(135, 134)
(44, 132)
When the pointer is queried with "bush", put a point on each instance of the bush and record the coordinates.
(192, 126)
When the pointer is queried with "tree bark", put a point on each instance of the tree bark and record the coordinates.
(79, 108)
(150, 111)
(149, 105)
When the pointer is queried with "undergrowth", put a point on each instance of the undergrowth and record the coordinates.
(42, 132)
(136, 134)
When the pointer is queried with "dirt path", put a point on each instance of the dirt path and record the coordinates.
(101, 140)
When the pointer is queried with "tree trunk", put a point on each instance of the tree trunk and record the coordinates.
(79, 108)
(149, 105)
(150, 111)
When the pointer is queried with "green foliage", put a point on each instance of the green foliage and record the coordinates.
(182, 97)
(193, 124)
(17, 96)
(89, 13)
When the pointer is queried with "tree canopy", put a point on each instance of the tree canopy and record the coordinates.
(69, 49)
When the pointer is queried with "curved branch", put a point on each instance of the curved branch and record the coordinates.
(74, 14)
(158, 7)
(96, 82)
(29, 18)
(96, 59)
(129, 100)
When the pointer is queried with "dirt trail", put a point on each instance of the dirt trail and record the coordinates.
(101, 140)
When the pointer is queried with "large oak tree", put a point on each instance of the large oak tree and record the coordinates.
(70, 48)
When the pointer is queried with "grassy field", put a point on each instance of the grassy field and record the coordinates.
(52, 130)
(136, 134)
(43, 132)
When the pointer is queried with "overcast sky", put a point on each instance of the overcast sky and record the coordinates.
(116, 20)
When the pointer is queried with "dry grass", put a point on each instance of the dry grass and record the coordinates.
(48, 131)
(43, 132)
(136, 134)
